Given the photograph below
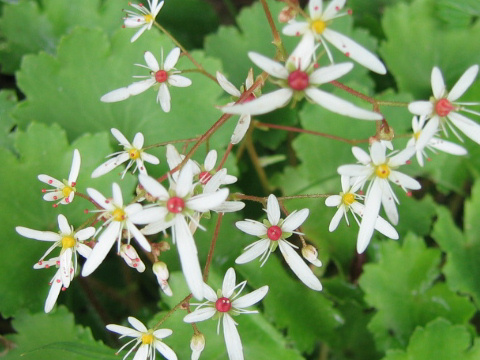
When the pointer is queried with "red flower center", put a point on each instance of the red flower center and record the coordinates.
(223, 304)
(204, 177)
(161, 76)
(443, 107)
(298, 80)
(175, 205)
(249, 98)
(274, 233)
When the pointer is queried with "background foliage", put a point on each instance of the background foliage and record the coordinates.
(413, 299)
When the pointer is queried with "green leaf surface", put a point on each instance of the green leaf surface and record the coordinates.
(439, 340)
(401, 287)
(54, 336)
(42, 150)
(56, 93)
(8, 100)
(417, 40)
(463, 249)
(48, 21)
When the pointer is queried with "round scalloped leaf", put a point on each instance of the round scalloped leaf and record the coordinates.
(8, 99)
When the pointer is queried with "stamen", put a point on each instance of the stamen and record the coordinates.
(348, 199)
(382, 171)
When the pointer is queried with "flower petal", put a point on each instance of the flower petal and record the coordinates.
(388, 202)
(163, 97)
(251, 298)
(377, 153)
(227, 85)
(50, 181)
(273, 210)
(339, 106)
(252, 227)
(138, 33)
(165, 350)
(142, 352)
(423, 108)
(295, 28)
(465, 81)
(150, 158)
(162, 333)
(333, 200)
(210, 160)
(141, 239)
(72, 177)
(151, 61)
(171, 59)
(232, 338)
(372, 208)
(270, 66)
(123, 330)
(38, 235)
(205, 202)
(200, 315)
(336, 219)
(332, 9)
(106, 167)
(402, 157)
(353, 50)
(53, 293)
(137, 324)
(427, 133)
(138, 140)
(254, 250)
(404, 181)
(469, 127)
(153, 187)
(438, 84)
(447, 146)
(179, 81)
(328, 73)
(209, 294)
(294, 220)
(184, 182)
(263, 104)
(116, 95)
(299, 267)
(228, 283)
(241, 129)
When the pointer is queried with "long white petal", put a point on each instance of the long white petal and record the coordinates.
(106, 167)
(189, 257)
(340, 106)
(295, 28)
(336, 219)
(328, 73)
(151, 61)
(165, 350)
(141, 239)
(72, 177)
(117, 195)
(372, 208)
(384, 227)
(138, 33)
(252, 227)
(53, 293)
(447, 146)
(299, 267)
(228, 283)
(200, 315)
(402, 157)
(171, 59)
(123, 330)
(149, 215)
(315, 8)
(388, 202)
(50, 181)
(241, 129)
(273, 210)
(302, 56)
(116, 95)
(153, 187)
(270, 66)
(120, 137)
(467, 126)
(101, 249)
(465, 81)
(232, 339)
(354, 170)
(137, 324)
(179, 81)
(163, 97)
(354, 51)
(438, 84)
(294, 220)
(427, 133)
(227, 85)
(263, 104)
(142, 352)
(420, 108)
(38, 235)
(255, 250)
(205, 202)
(100, 199)
(139, 87)
(251, 298)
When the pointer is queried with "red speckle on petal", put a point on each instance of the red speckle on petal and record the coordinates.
(316, 66)
(67, 200)
(347, 54)
(50, 181)
(315, 8)
(297, 33)
(135, 265)
(57, 262)
(40, 262)
(59, 281)
(337, 8)
(223, 304)
(74, 183)
(55, 197)
(107, 201)
(274, 233)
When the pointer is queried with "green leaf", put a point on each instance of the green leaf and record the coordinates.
(458, 13)
(56, 93)
(439, 340)
(54, 336)
(47, 22)
(415, 32)
(401, 287)
(42, 150)
(8, 100)
(463, 249)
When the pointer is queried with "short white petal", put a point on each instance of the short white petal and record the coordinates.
(447, 146)
(361, 155)
(438, 84)
(427, 133)
(295, 28)
(402, 157)
(336, 219)
(200, 315)
(294, 220)
(328, 73)
(354, 51)
(232, 339)
(153, 187)
(209, 294)
(263, 104)
(84, 250)
(141, 239)
(465, 81)
(171, 59)
(372, 208)
(137, 324)
(241, 129)
(179, 81)
(151, 61)
(50, 181)
(273, 210)
(299, 267)
(163, 97)
(340, 106)
(252, 227)
(63, 225)
(184, 182)
(120, 137)
(150, 158)
(38, 235)
(333, 200)
(100, 199)
(421, 108)
(157, 227)
(227, 85)
(189, 257)
(270, 66)
(210, 160)
(405, 181)
(255, 250)
(315, 8)
(165, 350)
(251, 298)
(138, 140)
(354, 170)
(377, 153)
(72, 177)
(205, 202)
(101, 249)
(229, 206)
(117, 195)
(228, 283)
(332, 9)
(469, 127)
(116, 95)
(85, 234)
(162, 333)
(149, 215)
(302, 56)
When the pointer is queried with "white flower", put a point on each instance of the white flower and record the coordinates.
(172, 209)
(63, 191)
(424, 137)
(318, 25)
(197, 344)
(347, 201)
(273, 233)
(71, 242)
(161, 272)
(206, 171)
(379, 169)
(161, 76)
(118, 217)
(297, 80)
(148, 339)
(244, 120)
(443, 109)
(144, 19)
(130, 255)
(226, 305)
(133, 152)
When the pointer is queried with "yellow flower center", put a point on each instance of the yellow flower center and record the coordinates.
(148, 18)
(382, 171)
(66, 191)
(147, 339)
(416, 135)
(134, 154)
(118, 215)
(68, 242)
(348, 199)
(319, 26)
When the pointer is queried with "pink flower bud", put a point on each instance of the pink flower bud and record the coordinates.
(161, 272)
(129, 254)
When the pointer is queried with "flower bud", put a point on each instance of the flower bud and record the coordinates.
(197, 344)
(129, 254)
(311, 254)
(161, 272)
